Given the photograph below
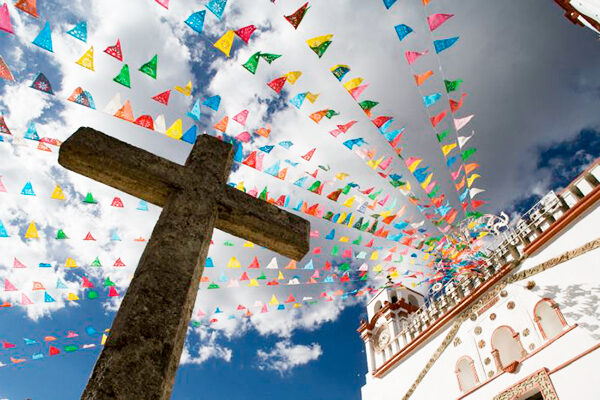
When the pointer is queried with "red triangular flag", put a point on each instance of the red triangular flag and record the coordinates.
(309, 155)
(112, 292)
(245, 32)
(254, 263)
(296, 17)
(86, 283)
(119, 263)
(117, 202)
(456, 105)
(277, 84)
(163, 97)
(89, 237)
(115, 51)
(54, 351)
(5, 71)
(379, 121)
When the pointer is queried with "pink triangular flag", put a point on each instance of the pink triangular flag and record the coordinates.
(25, 301)
(5, 23)
(245, 32)
(435, 20)
(164, 3)
(18, 264)
(241, 117)
(244, 137)
(357, 91)
(459, 123)
(412, 56)
(9, 287)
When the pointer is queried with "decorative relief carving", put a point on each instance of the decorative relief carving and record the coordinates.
(492, 316)
(503, 293)
(526, 332)
(510, 305)
(539, 380)
(487, 361)
(478, 330)
(530, 285)
(531, 346)
(473, 317)
(481, 344)
(457, 341)
(490, 374)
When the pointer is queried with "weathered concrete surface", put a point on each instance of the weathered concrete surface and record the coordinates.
(141, 355)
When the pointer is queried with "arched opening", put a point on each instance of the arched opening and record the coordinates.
(377, 306)
(549, 319)
(412, 300)
(465, 373)
(506, 346)
(394, 299)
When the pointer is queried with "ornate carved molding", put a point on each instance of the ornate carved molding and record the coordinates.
(539, 379)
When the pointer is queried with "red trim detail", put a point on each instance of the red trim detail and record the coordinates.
(536, 317)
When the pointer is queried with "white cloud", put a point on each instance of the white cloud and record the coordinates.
(286, 356)
(206, 348)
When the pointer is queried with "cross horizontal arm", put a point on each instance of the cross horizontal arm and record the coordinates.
(262, 223)
(120, 165)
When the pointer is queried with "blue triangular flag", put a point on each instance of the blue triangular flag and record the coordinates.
(217, 7)
(213, 102)
(190, 135)
(29, 341)
(297, 208)
(60, 284)
(91, 331)
(218, 311)
(142, 205)
(273, 170)
(79, 31)
(48, 298)
(451, 161)
(239, 153)
(28, 189)
(287, 144)
(115, 236)
(223, 277)
(3, 230)
(389, 3)
(402, 30)
(45, 265)
(293, 164)
(443, 44)
(196, 21)
(267, 149)
(330, 235)
(309, 265)
(32, 133)
(281, 307)
(354, 142)
(298, 100)
(44, 38)
(194, 113)
(209, 263)
(37, 356)
(431, 99)
(300, 181)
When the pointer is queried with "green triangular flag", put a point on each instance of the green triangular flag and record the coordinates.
(252, 64)
(442, 136)
(71, 348)
(92, 294)
(268, 57)
(108, 282)
(320, 50)
(344, 267)
(96, 263)
(263, 276)
(213, 286)
(331, 113)
(364, 277)
(263, 194)
(367, 104)
(452, 85)
(358, 240)
(374, 195)
(61, 234)
(123, 77)
(89, 198)
(468, 153)
(335, 250)
(150, 67)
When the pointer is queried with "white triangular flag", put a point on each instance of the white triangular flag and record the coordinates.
(159, 124)
(475, 191)
(113, 105)
(462, 140)
(273, 264)
(460, 123)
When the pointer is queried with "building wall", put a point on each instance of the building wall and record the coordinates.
(574, 285)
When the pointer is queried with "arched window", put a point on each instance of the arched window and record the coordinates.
(465, 373)
(412, 300)
(506, 346)
(549, 319)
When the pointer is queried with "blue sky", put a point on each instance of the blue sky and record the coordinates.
(532, 89)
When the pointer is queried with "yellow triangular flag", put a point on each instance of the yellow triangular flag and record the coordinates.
(448, 148)
(280, 276)
(187, 90)
(312, 97)
(352, 84)
(104, 337)
(58, 193)
(248, 244)
(70, 263)
(72, 296)
(394, 274)
(87, 60)
(349, 202)
(342, 218)
(240, 186)
(233, 263)
(274, 301)
(374, 256)
(377, 268)
(471, 178)
(253, 282)
(297, 305)
(344, 239)
(319, 40)
(32, 232)
(293, 76)
(174, 130)
(224, 44)
(341, 175)
(351, 221)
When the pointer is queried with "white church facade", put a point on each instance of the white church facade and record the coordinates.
(527, 329)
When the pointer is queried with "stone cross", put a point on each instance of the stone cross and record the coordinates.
(141, 355)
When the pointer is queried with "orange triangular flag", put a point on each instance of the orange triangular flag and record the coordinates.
(222, 125)
(125, 112)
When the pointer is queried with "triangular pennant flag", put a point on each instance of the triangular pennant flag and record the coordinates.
(125, 112)
(421, 78)
(217, 7)
(412, 56)
(8, 286)
(89, 236)
(44, 38)
(79, 31)
(61, 235)
(27, 6)
(222, 125)
(435, 20)
(70, 263)
(145, 121)
(42, 84)
(18, 264)
(225, 42)
(89, 198)
(246, 32)
(164, 3)
(196, 21)
(48, 298)
(119, 263)
(150, 68)
(123, 77)
(277, 84)
(402, 31)
(5, 24)
(296, 17)
(462, 140)
(190, 135)
(115, 51)
(3, 129)
(443, 44)
(293, 76)
(175, 130)
(112, 292)
(339, 71)
(163, 97)
(6, 75)
(252, 64)
(241, 117)
(389, 3)
(25, 301)
(187, 90)
(28, 189)
(31, 232)
(452, 85)
(3, 232)
(460, 123)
